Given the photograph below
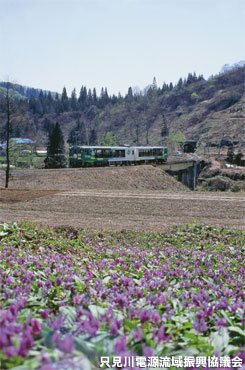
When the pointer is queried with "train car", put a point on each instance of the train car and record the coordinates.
(86, 156)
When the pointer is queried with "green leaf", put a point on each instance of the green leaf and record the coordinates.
(70, 314)
(237, 330)
(96, 311)
(220, 339)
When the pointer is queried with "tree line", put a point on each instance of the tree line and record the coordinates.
(47, 102)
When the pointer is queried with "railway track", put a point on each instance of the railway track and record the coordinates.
(23, 172)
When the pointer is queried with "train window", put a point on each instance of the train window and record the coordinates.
(133, 152)
(157, 152)
(145, 153)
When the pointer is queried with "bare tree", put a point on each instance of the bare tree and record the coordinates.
(7, 106)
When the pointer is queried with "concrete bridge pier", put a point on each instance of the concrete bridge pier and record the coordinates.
(188, 175)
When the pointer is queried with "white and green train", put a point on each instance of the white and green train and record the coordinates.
(86, 156)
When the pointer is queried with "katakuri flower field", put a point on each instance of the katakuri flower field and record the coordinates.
(69, 299)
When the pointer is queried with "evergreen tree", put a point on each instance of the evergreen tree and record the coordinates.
(180, 84)
(93, 139)
(78, 135)
(48, 126)
(238, 158)
(57, 104)
(95, 99)
(129, 97)
(32, 104)
(50, 103)
(114, 99)
(73, 101)
(82, 100)
(64, 100)
(90, 98)
(165, 130)
(230, 154)
(55, 149)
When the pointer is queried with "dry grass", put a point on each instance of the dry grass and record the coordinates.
(143, 198)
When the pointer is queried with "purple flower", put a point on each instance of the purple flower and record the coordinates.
(66, 345)
(56, 338)
(4, 341)
(200, 325)
(36, 327)
(155, 317)
(90, 325)
(115, 326)
(138, 335)
(10, 351)
(45, 313)
(220, 323)
(26, 343)
(148, 351)
(58, 280)
(48, 284)
(144, 316)
(160, 335)
(55, 324)
(120, 345)
(121, 300)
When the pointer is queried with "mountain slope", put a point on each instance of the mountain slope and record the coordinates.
(205, 110)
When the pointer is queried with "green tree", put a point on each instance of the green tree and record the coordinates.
(93, 139)
(14, 151)
(55, 149)
(194, 96)
(176, 140)
(64, 100)
(78, 135)
(238, 158)
(109, 139)
(165, 130)
(230, 154)
(73, 100)
(82, 100)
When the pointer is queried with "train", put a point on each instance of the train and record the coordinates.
(88, 156)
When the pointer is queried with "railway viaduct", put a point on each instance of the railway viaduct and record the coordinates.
(186, 171)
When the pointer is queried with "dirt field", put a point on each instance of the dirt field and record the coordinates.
(139, 200)
(108, 178)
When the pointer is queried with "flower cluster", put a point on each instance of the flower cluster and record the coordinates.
(69, 300)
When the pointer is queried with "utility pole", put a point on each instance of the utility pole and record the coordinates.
(8, 138)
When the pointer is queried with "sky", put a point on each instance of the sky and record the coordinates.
(49, 44)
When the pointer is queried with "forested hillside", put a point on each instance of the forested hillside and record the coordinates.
(206, 110)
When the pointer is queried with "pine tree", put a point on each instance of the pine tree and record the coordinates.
(82, 100)
(73, 101)
(64, 100)
(78, 135)
(165, 130)
(50, 103)
(95, 99)
(129, 97)
(230, 154)
(93, 140)
(180, 84)
(90, 98)
(238, 158)
(55, 149)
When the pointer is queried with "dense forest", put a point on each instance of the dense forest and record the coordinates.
(201, 109)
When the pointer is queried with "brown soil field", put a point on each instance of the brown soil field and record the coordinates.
(137, 198)
(108, 178)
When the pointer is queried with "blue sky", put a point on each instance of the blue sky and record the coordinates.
(50, 44)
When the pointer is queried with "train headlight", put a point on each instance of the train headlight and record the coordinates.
(75, 156)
